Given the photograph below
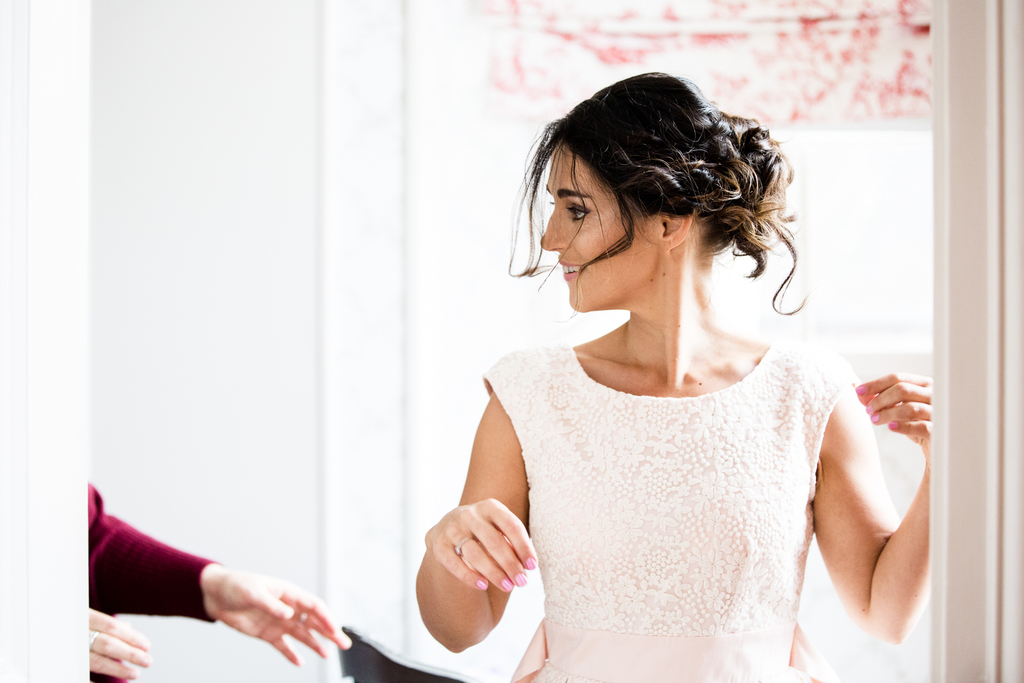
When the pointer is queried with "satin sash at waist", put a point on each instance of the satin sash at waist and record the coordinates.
(627, 658)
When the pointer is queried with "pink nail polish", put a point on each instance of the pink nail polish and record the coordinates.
(894, 425)
(531, 564)
(875, 417)
(862, 390)
(867, 409)
(482, 585)
(520, 580)
(507, 585)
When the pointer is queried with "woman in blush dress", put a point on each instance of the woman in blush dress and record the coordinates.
(671, 474)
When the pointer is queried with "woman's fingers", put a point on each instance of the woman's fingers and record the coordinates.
(318, 619)
(444, 552)
(299, 614)
(328, 630)
(274, 607)
(341, 639)
(901, 392)
(126, 633)
(114, 648)
(282, 645)
(474, 554)
(494, 545)
(105, 665)
(869, 390)
(902, 402)
(98, 621)
(115, 642)
(323, 623)
(903, 412)
(317, 615)
(104, 623)
(513, 530)
(497, 547)
(302, 634)
(916, 430)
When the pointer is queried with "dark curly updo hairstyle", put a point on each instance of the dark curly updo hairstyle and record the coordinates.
(661, 147)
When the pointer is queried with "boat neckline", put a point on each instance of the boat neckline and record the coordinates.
(759, 369)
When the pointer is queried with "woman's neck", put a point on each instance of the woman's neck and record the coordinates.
(676, 328)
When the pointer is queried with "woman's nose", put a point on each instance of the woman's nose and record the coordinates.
(549, 240)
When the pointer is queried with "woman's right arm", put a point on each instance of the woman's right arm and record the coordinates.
(462, 598)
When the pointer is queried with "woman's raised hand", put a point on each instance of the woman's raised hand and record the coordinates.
(113, 643)
(483, 544)
(903, 403)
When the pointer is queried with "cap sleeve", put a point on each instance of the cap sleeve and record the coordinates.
(512, 381)
(826, 376)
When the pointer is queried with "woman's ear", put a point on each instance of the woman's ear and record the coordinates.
(673, 230)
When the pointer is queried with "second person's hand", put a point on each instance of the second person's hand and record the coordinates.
(268, 608)
(114, 645)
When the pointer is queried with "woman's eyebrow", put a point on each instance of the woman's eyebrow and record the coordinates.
(565, 192)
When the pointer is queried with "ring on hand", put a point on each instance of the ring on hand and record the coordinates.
(303, 617)
(458, 548)
(92, 638)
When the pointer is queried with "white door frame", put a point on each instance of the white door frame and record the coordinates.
(44, 145)
(977, 516)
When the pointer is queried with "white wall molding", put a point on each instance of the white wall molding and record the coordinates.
(13, 480)
(1011, 131)
(44, 145)
(362, 310)
(976, 511)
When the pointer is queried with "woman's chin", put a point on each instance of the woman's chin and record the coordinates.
(581, 306)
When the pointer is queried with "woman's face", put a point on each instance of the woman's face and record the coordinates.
(585, 223)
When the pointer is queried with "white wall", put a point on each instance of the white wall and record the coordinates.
(204, 298)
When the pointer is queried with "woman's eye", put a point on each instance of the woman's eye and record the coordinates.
(577, 213)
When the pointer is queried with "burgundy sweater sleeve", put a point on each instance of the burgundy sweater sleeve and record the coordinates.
(131, 573)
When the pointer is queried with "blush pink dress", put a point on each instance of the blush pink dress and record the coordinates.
(672, 533)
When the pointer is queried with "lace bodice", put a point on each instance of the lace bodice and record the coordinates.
(671, 516)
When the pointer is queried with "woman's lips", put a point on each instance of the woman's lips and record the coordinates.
(569, 271)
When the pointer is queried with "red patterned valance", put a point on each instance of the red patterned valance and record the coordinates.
(781, 61)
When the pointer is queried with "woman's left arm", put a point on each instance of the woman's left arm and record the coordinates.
(878, 564)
